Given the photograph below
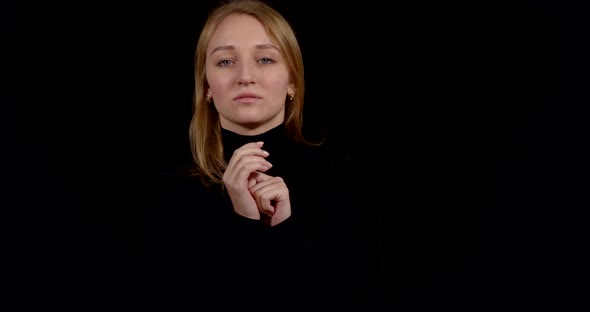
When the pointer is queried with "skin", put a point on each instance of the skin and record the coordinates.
(248, 83)
(242, 60)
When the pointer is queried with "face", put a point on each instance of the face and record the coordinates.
(247, 76)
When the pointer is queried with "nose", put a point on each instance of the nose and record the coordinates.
(246, 74)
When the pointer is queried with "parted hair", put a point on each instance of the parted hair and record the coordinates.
(205, 128)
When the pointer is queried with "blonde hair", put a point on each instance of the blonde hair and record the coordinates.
(205, 129)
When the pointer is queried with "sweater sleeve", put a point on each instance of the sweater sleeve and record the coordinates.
(258, 243)
(263, 259)
(345, 231)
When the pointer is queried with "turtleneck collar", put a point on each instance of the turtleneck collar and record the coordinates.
(272, 139)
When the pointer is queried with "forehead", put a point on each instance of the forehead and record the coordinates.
(238, 29)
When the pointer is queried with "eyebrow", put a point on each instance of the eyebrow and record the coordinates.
(231, 47)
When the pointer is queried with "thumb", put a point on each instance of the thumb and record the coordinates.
(251, 181)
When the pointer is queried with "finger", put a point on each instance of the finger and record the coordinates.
(250, 166)
(252, 180)
(265, 204)
(267, 207)
(245, 154)
(283, 212)
(264, 181)
(260, 176)
(242, 170)
(249, 149)
(267, 193)
(257, 177)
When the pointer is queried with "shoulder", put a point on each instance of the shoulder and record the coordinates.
(329, 159)
(177, 179)
(175, 190)
(333, 173)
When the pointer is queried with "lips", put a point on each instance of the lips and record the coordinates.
(247, 96)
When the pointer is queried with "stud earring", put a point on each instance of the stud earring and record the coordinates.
(208, 98)
(291, 95)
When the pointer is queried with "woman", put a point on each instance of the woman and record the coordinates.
(267, 220)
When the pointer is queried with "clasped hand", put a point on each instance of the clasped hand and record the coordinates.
(253, 193)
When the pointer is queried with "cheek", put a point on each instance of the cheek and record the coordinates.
(213, 74)
(279, 83)
(217, 83)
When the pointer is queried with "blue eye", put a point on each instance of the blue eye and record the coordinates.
(266, 60)
(224, 63)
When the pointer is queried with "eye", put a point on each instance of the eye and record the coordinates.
(266, 60)
(224, 63)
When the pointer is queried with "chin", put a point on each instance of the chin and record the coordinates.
(251, 121)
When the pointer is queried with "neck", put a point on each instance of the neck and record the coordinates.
(250, 129)
(233, 140)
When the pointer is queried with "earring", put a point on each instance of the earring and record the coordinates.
(208, 98)
(291, 95)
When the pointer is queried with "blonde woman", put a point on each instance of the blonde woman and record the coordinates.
(266, 219)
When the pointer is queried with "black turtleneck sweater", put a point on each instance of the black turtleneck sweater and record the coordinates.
(204, 256)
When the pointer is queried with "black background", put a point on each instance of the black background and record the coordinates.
(471, 114)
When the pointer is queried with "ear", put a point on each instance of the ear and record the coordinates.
(291, 88)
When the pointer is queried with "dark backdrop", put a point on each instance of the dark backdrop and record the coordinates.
(471, 115)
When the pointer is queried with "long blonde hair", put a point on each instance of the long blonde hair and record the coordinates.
(205, 129)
